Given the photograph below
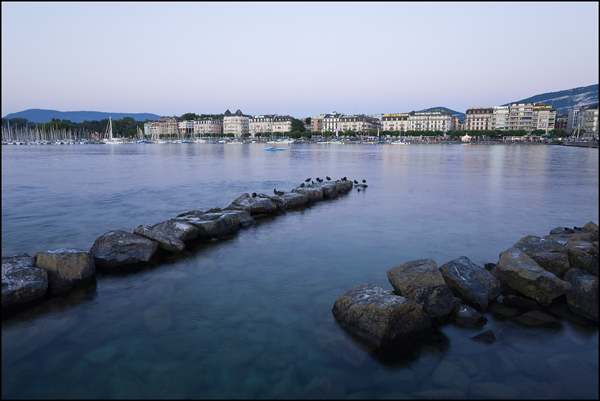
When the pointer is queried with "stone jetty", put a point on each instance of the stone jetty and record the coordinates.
(533, 282)
(27, 280)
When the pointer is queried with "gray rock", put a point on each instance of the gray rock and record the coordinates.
(66, 267)
(518, 271)
(217, 224)
(547, 253)
(591, 228)
(120, 248)
(313, 193)
(171, 235)
(582, 298)
(294, 199)
(465, 316)
(379, 316)
(473, 284)
(330, 189)
(422, 282)
(259, 205)
(583, 255)
(22, 282)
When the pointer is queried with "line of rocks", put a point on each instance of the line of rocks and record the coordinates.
(29, 279)
(532, 282)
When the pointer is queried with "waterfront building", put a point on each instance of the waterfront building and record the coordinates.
(572, 120)
(500, 118)
(282, 124)
(261, 124)
(457, 123)
(358, 123)
(168, 126)
(185, 128)
(395, 122)
(478, 118)
(148, 129)
(561, 121)
(331, 121)
(237, 123)
(316, 123)
(433, 120)
(544, 117)
(587, 119)
(208, 126)
(520, 116)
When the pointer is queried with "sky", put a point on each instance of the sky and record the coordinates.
(291, 58)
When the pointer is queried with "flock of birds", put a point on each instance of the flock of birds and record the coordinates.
(309, 182)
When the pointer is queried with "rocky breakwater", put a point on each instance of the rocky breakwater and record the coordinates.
(29, 279)
(533, 283)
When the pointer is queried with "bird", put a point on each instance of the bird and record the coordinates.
(356, 182)
(364, 181)
(343, 179)
(318, 179)
(357, 189)
(280, 193)
(275, 191)
(302, 185)
(254, 194)
(307, 180)
(328, 178)
(312, 183)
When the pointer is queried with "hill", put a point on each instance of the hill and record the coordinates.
(41, 116)
(566, 100)
(461, 116)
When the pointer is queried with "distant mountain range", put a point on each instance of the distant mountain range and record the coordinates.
(41, 116)
(563, 101)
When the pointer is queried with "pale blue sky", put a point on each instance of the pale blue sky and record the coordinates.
(296, 58)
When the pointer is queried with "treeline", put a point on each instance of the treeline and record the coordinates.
(125, 127)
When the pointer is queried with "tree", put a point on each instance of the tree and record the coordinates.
(297, 125)
(190, 116)
(308, 120)
(538, 132)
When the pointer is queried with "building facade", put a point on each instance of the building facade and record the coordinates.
(478, 118)
(237, 123)
(316, 123)
(587, 119)
(282, 124)
(358, 123)
(520, 116)
(208, 126)
(395, 122)
(261, 124)
(544, 117)
(500, 118)
(331, 121)
(561, 121)
(434, 120)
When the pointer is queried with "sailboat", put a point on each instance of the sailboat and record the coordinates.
(110, 140)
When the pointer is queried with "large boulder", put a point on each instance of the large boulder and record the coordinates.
(591, 228)
(421, 281)
(379, 316)
(313, 193)
(343, 186)
(171, 235)
(547, 253)
(22, 282)
(294, 199)
(253, 205)
(66, 267)
(120, 248)
(582, 298)
(583, 255)
(473, 284)
(330, 189)
(216, 224)
(518, 271)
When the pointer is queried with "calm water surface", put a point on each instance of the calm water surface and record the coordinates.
(250, 316)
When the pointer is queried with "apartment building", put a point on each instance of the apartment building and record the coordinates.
(282, 124)
(457, 123)
(236, 123)
(316, 123)
(358, 123)
(434, 120)
(572, 120)
(331, 121)
(478, 118)
(185, 127)
(395, 122)
(544, 117)
(561, 121)
(168, 126)
(587, 119)
(208, 126)
(520, 116)
(500, 118)
(261, 124)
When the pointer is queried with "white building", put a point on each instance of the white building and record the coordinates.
(500, 118)
(237, 124)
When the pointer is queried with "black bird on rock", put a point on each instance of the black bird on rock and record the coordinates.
(276, 192)
(364, 181)
(328, 178)
(254, 194)
(302, 185)
(307, 180)
(356, 182)
(357, 189)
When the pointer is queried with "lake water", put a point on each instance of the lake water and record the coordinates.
(250, 316)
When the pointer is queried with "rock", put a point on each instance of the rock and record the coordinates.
(582, 298)
(474, 285)
(66, 267)
(536, 318)
(513, 300)
(465, 316)
(591, 228)
(485, 337)
(294, 199)
(170, 235)
(421, 282)
(547, 253)
(518, 271)
(119, 248)
(217, 224)
(313, 193)
(561, 230)
(583, 255)
(22, 282)
(259, 205)
(330, 189)
(379, 316)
